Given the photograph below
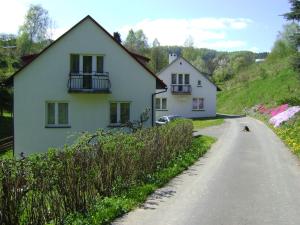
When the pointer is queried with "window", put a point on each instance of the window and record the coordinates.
(174, 79)
(199, 83)
(161, 103)
(113, 112)
(87, 64)
(157, 103)
(198, 103)
(57, 114)
(99, 64)
(119, 112)
(74, 63)
(186, 79)
(125, 112)
(180, 78)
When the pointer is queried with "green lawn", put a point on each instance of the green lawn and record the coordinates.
(202, 123)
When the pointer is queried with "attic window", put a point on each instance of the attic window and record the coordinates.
(180, 63)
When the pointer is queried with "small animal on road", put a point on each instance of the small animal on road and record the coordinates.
(246, 128)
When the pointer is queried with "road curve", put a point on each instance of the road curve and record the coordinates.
(247, 178)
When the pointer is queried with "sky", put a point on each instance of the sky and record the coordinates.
(225, 25)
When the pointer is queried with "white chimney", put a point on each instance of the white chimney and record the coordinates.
(172, 57)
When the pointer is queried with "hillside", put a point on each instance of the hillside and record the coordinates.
(271, 83)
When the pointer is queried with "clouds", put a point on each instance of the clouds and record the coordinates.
(206, 32)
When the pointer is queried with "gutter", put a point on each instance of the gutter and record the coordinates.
(153, 95)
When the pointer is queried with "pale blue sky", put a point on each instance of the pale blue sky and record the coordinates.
(222, 25)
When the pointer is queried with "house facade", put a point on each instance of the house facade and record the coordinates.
(83, 81)
(190, 93)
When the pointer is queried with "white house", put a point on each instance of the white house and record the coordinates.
(83, 81)
(190, 93)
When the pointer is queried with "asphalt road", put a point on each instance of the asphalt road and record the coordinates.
(247, 178)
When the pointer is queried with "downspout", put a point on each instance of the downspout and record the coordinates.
(153, 95)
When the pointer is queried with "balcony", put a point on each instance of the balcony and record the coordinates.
(89, 83)
(181, 89)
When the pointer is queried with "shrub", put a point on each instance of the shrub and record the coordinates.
(46, 187)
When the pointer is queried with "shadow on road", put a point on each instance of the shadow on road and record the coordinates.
(157, 197)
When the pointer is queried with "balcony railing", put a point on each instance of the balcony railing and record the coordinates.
(90, 83)
(181, 89)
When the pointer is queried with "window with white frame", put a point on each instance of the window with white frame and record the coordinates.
(199, 84)
(180, 78)
(86, 64)
(198, 103)
(161, 103)
(119, 112)
(57, 114)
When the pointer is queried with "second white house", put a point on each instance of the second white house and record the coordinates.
(190, 93)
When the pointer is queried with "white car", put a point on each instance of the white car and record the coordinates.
(166, 119)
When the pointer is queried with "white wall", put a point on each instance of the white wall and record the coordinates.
(182, 104)
(46, 79)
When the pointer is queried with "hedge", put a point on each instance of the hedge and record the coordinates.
(46, 187)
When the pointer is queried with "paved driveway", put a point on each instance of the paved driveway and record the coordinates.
(247, 178)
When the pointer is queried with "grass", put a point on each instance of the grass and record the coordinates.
(279, 84)
(202, 123)
(109, 208)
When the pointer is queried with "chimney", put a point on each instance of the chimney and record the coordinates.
(172, 57)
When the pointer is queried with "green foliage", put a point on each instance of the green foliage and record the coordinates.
(46, 187)
(291, 100)
(295, 11)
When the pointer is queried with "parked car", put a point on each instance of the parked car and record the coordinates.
(166, 119)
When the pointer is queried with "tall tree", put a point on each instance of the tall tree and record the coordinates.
(188, 51)
(295, 11)
(157, 56)
(34, 31)
(136, 41)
